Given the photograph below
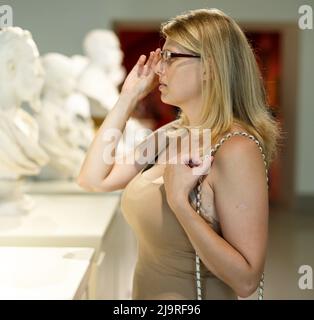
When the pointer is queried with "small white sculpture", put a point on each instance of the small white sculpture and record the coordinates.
(78, 106)
(102, 47)
(78, 109)
(100, 78)
(21, 73)
(63, 118)
(21, 80)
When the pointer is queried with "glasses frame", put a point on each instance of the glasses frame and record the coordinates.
(166, 55)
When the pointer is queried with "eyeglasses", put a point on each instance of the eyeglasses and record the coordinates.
(166, 55)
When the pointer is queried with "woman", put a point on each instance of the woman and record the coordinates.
(208, 70)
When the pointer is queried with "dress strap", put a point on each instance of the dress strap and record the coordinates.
(244, 134)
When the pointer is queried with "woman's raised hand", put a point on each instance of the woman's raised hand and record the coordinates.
(142, 79)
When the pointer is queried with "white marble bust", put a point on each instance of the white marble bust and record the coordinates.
(60, 128)
(101, 77)
(21, 78)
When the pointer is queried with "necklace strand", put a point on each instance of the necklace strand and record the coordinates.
(260, 295)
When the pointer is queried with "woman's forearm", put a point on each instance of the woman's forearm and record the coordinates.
(217, 254)
(95, 168)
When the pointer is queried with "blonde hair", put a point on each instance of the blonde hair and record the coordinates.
(232, 90)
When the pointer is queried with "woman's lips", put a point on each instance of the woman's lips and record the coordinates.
(161, 86)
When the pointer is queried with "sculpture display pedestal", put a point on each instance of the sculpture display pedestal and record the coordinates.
(12, 199)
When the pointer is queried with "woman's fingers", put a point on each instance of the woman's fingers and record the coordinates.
(140, 64)
(141, 59)
(156, 57)
(153, 60)
(157, 54)
(149, 62)
(146, 68)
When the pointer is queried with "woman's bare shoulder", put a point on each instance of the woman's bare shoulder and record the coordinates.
(236, 153)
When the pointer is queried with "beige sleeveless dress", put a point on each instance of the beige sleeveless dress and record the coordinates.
(165, 267)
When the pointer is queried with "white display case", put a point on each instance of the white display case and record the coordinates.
(62, 217)
(34, 273)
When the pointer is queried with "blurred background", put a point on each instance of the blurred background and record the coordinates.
(40, 204)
